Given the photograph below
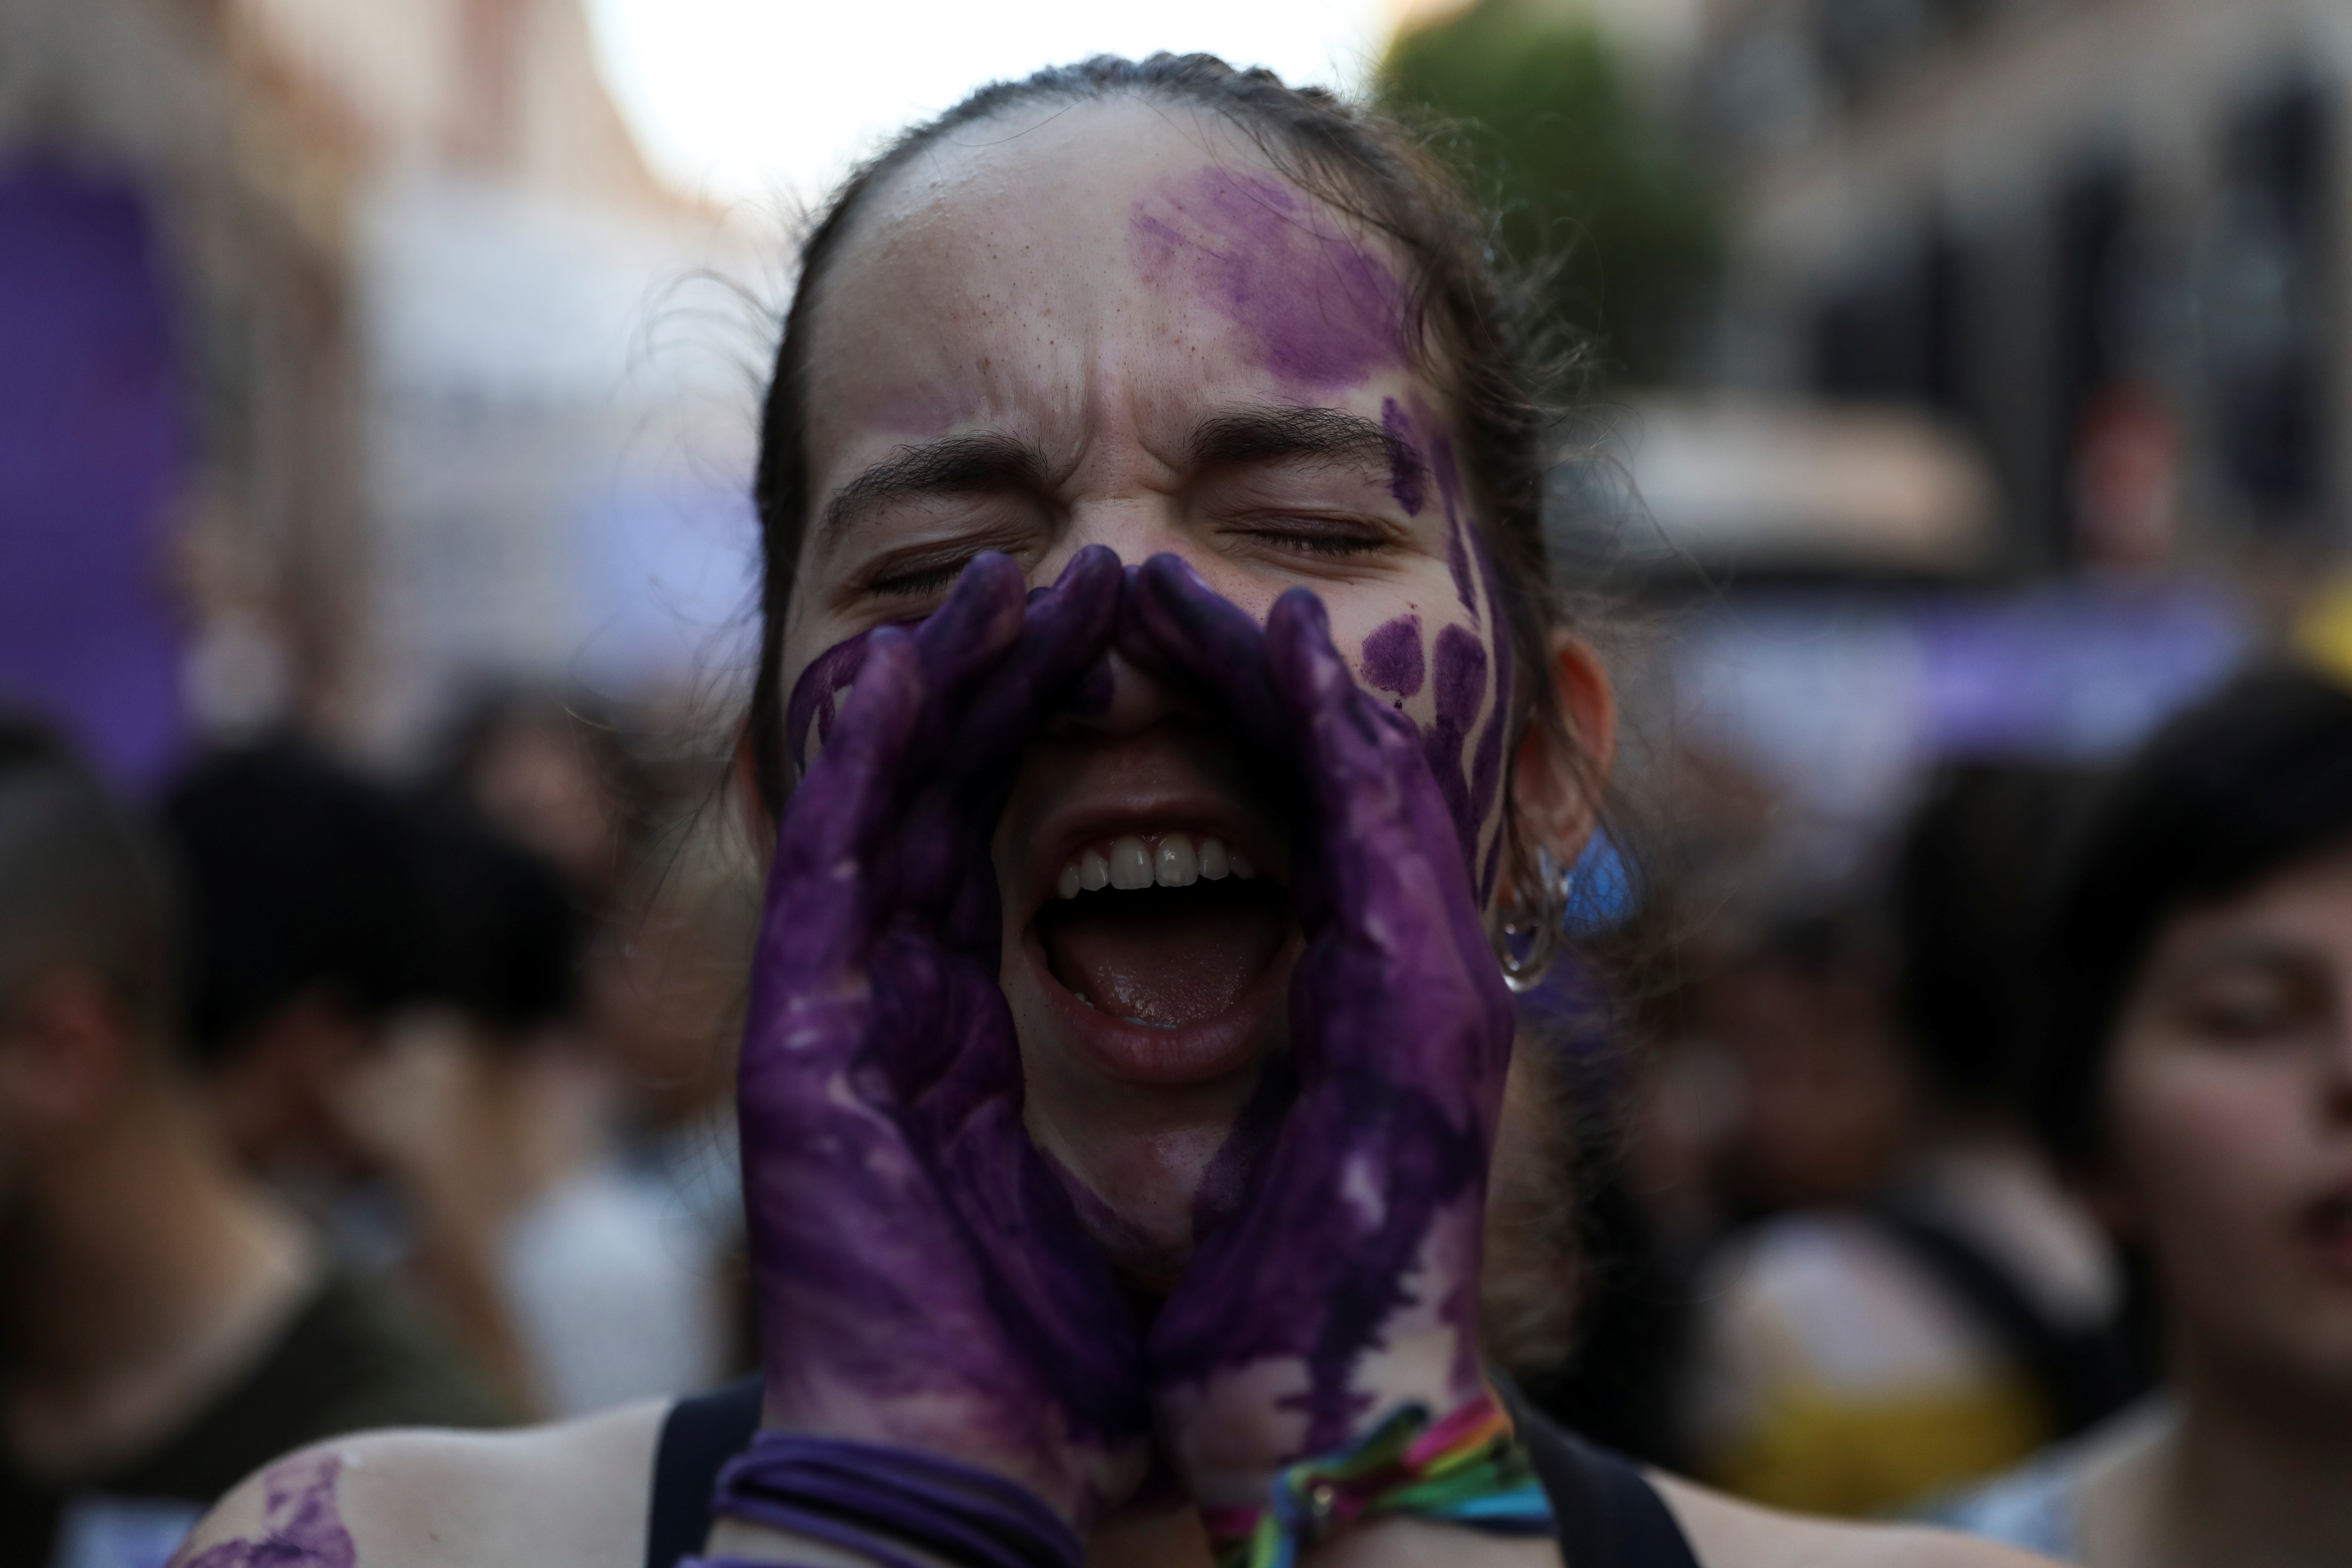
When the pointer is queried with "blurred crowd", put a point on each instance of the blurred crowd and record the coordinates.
(327, 1104)
(2006, 1183)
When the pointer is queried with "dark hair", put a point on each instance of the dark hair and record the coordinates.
(1976, 874)
(1366, 167)
(506, 938)
(303, 876)
(82, 880)
(2251, 781)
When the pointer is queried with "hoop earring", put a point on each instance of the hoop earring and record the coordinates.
(1529, 937)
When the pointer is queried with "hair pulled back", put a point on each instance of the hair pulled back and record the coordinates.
(1364, 166)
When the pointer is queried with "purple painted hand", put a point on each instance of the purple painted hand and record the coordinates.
(1347, 1282)
(922, 1278)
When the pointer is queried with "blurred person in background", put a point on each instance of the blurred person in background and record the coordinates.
(1934, 1306)
(166, 1324)
(558, 775)
(2197, 1087)
(492, 1110)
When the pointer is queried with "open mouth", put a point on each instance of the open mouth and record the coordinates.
(1171, 948)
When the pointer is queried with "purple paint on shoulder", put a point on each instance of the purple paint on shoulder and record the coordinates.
(1406, 474)
(1461, 689)
(1393, 657)
(301, 1527)
(1324, 311)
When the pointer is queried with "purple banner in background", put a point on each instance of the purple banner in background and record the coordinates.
(93, 447)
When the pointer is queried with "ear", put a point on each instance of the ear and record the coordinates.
(1555, 784)
(66, 1051)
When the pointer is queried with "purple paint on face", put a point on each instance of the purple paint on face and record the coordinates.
(1457, 523)
(1492, 869)
(1402, 1027)
(1392, 657)
(1406, 476)
(301, 1526)
(818, 692)
(1322, 311)
(1461, 690)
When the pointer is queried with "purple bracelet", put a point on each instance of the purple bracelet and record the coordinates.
(876, 1501)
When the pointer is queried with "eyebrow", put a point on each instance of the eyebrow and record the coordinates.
(972, 463)
(1325, 434)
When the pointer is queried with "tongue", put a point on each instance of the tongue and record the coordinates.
(1164, 957)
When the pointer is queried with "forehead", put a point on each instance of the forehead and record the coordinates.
(1067, 259)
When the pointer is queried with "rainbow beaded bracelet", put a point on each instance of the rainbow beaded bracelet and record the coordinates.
(1468, 1469)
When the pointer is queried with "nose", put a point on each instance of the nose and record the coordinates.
(1139, 699)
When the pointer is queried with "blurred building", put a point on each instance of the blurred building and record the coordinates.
(2102, 237)
(347, 364)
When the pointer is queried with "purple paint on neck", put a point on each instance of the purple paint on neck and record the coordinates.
(1392, 657)
(301, 1526)
(1461, 689)
(1407, 477)
(1321, 310)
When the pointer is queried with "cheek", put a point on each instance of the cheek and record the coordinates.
(2206, 1143)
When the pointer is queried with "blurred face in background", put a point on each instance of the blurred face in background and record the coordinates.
(2229, 1101)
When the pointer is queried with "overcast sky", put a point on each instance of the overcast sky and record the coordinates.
(757, 100)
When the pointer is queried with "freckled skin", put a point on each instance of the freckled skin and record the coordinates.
(301, 1526)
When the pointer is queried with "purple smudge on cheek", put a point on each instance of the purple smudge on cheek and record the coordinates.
(303, 1528)
(1406, 479)
(1457, 531)
(817, 691)
(1461, 689)
(1321, 310)
(1392, 657)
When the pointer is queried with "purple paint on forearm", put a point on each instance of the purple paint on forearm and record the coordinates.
(1407, 475)
(301, 1526)
(1392, 657)
(1320, 310)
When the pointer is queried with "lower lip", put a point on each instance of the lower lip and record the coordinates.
(1168, 1058)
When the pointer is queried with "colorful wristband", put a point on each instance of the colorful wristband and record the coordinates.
(1468, 1469)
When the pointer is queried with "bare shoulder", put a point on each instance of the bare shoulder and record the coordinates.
(1727, 1533)
(574, 1493)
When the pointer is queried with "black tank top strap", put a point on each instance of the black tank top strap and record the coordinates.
(701, 1433)
(1609, 1516)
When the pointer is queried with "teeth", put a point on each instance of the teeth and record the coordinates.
(1180, 861)
(1214, 864)
(1130, 863)
(1176, 866)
